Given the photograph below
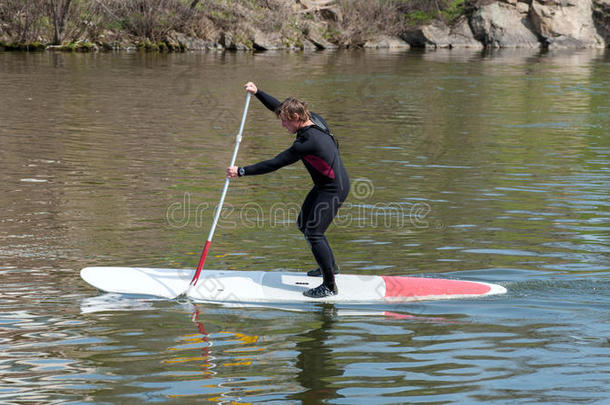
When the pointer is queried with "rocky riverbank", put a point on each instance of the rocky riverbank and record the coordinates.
(522, 24)
(178, 25)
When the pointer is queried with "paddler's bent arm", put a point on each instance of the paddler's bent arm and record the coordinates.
(285, 158)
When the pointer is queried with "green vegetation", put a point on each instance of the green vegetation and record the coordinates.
(419, 12)
(78, 46)
(28, 46)
(455, 9)
(415, 18)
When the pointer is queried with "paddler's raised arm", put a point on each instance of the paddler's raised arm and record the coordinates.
(268, 101)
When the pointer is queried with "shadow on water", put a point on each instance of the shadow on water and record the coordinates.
(316, 363)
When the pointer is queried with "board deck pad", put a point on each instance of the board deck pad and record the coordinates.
(278, 287)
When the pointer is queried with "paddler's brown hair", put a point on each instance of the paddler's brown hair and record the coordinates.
(293, 108)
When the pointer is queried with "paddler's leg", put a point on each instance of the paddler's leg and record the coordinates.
(320, 217)
(307, 222)
(306, 208)
(324, 257)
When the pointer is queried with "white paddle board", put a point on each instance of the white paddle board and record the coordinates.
(278, 287)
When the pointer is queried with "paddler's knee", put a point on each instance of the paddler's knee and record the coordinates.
(312, 236)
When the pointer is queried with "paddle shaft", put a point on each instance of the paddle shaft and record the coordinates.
(206, 247)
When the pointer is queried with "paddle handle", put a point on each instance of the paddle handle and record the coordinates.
(206, 247)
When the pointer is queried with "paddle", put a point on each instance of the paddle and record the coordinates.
(206, 247)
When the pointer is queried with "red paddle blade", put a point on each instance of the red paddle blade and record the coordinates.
(204, 254)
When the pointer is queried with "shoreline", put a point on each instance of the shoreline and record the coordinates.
(94, 48)
(305, 25)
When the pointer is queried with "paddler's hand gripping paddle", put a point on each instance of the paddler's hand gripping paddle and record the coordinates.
(206, 247)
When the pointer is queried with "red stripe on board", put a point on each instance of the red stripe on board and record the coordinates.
(396, 286)
(320, 165)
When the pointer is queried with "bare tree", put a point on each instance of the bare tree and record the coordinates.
(59, 14)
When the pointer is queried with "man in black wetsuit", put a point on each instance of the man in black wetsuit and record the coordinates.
(317, 148)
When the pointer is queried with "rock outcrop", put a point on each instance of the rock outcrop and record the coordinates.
(566, 24)
(439, 35)
(386, 42)
(522, 24)
(502, 25)
(601, 18)
(266, 41)
(314, 33)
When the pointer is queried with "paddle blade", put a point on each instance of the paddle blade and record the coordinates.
(204, 254)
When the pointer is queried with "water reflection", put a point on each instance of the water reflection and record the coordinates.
(316, 362)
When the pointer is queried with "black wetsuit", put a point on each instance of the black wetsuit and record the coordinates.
(317, 149)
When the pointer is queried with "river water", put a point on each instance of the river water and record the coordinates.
(477, 166)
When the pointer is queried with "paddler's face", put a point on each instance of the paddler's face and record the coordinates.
(291, 125)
